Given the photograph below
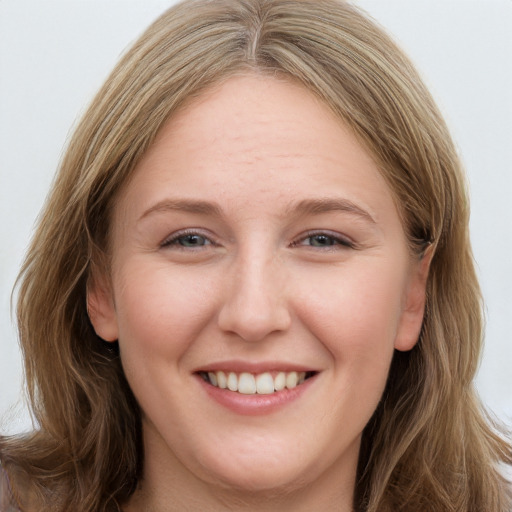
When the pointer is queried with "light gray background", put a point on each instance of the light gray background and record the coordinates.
(55, 54)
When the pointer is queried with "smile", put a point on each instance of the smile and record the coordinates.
(265, 383)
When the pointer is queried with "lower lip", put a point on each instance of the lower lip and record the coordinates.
(254, 405)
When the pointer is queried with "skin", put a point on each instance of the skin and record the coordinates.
(333, 288)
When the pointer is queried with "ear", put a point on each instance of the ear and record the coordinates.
(101, 308)
(413, 311)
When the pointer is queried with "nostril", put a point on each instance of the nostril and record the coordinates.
(253, 309)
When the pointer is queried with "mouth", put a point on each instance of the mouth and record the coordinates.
(266, 383)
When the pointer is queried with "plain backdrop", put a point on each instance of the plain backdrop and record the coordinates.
(54, 55)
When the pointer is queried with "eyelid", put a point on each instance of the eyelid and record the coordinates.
(175, 236)
(342, 240)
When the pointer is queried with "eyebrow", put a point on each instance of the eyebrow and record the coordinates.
(303, 207)
(184, 205)
(327, 205)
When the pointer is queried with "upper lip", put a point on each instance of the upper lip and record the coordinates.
(238, 366)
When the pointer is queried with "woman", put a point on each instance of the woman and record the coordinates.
(252, 285)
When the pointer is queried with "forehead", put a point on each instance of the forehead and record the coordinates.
(255, 140)
(245, 110)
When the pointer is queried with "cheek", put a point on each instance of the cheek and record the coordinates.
(160, 311)
(355, 314)
(357, 306)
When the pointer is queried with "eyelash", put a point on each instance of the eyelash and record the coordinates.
(176, 238)
(336, 242)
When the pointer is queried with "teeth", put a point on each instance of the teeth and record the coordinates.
(291, 380)
(280, 381)
(213, 378)
(222, 380)
(262, 384)
(246, 384)
(232, 382)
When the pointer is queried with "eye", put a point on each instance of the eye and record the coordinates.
(187, 240)
(321, 241)
(324, 240)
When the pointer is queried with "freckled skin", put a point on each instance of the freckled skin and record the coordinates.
(257, 287)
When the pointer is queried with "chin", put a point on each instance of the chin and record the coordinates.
(266, 481)
(255, 474)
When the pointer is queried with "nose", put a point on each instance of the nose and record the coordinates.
(255, 304)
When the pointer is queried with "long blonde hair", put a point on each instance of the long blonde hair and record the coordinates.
(429, 445)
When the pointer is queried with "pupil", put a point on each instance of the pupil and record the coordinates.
(321, 240)
(190, 240)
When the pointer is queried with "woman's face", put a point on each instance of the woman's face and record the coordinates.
(257, 244)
